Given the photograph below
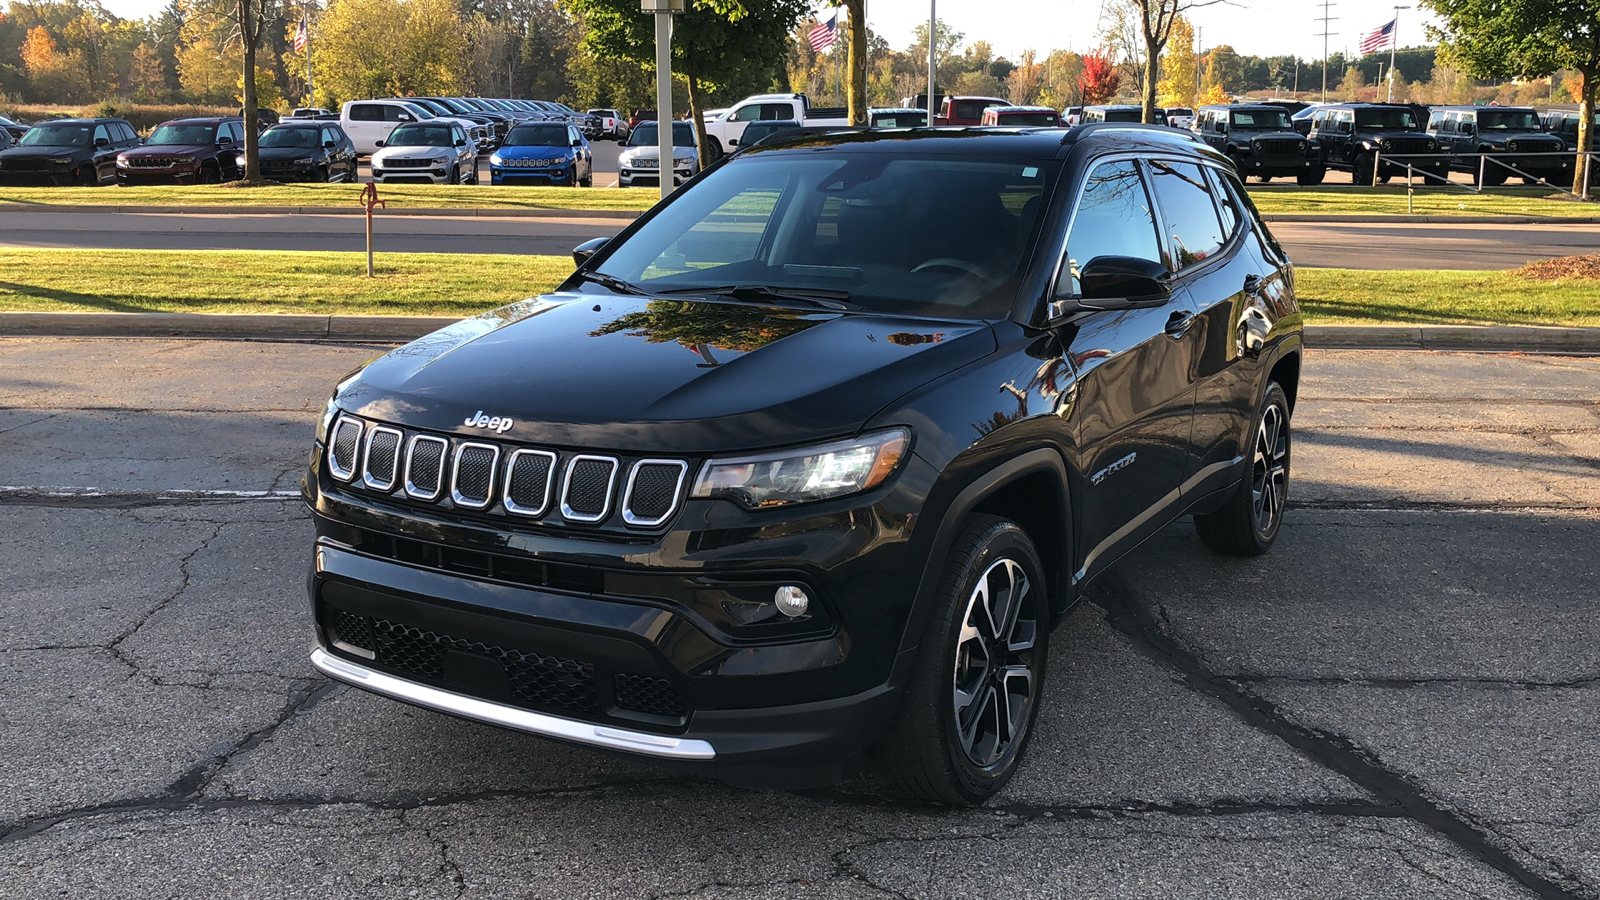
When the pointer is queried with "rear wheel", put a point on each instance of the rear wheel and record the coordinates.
(1248, 524)
(968, 714)
(1311, 176)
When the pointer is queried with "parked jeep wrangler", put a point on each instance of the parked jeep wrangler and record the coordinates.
(1468, 133)
(1261, 142)
(804, 465)
(1375, 141)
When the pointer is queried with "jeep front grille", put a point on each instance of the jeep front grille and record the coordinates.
(505, 479)
(1281, 145)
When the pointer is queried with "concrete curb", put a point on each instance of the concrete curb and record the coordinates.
(404, 328)
(426, 212)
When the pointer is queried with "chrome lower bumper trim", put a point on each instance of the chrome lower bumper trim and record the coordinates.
(509, 716)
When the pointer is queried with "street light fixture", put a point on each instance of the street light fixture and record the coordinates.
(1394, 42)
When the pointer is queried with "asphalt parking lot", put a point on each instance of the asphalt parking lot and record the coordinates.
(1399, 701)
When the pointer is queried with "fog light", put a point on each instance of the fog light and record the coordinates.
(791, 601)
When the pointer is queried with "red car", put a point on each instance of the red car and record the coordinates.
(185, 151)
(965, 110)
(640, 115)
(1022, 116)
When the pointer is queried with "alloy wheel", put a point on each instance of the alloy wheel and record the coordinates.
(1269, 477)
(994, 681)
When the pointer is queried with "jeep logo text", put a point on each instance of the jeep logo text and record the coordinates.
(496, 424)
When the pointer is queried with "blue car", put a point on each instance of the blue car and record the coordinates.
(543, 153)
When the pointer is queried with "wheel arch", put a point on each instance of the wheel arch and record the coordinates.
(1286, 372)
(1032, 489)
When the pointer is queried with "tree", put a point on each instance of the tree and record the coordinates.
(208, 72)
(1156, 19)
(1179, 67)
(1026, 81)
(1350, 87)
(1509, 38)
(146, 78)
(1062, 69)
(1099, 80)
(717, 43)
(1224, 70)
(858, 53)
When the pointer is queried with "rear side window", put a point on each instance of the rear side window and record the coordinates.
(1113, 219)
(366, 112)
(1188, 212)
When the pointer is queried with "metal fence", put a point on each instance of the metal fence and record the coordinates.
(1487, 160)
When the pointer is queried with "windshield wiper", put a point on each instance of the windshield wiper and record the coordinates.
(827, 299)
(612, 282)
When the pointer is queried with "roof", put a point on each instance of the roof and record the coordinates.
(1366, 106)
(1273, 106)
(203, 120)
(1030, 109)
(1014, 142)
(1467, 108)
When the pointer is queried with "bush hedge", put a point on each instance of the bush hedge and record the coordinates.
(142, 116)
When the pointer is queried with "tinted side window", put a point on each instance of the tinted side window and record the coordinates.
(393, 113)
(366, 112)
(1113, 219)
(1188, 211)
(1225, 202)
(747, 114)
(128, 134)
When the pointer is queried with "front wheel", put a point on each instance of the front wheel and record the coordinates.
(1365, 163)
(87, 177)
(969, 711)
(1248, 524)
(1311, 177)
(455, 175)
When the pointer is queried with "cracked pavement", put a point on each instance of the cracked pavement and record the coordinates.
(1399, 701)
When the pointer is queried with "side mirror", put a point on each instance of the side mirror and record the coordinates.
(733, 142)
(1115, 282)
(405, 117)
(577, 142)
(224, 141)
(1222, 127)
(622, 142)
(101, 142)
(1469, 128)
(329, 144)
(582, 252)
(461, 142)
(377, 143)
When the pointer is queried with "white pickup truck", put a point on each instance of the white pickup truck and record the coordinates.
(728, 128)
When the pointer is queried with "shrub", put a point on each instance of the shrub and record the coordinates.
(142, 116)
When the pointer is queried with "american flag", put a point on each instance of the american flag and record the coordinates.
(823, 36)
(1378, 38)
(301, 35)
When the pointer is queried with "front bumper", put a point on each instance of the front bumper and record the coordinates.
(534, 175)
(1276, 167)
(412, 176)
(628, 176)
(37, 179)
(127, 177)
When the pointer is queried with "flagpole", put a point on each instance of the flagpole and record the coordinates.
(311, 95)
(1394, 43)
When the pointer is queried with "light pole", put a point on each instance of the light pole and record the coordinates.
(1394, 42)
(933, 21)
(664, 10)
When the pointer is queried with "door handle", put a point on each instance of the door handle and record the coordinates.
(1178, 323)
(1252, 283)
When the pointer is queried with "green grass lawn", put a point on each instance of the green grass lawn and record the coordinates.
(1434, 297)
(398, 195)
(252, 281)
(1391, 200)
(456, 284)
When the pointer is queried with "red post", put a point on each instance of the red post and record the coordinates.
(369, 199)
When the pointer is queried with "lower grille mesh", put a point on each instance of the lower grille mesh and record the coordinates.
(647, 694)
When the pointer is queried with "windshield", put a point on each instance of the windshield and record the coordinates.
(420, 136)
(1262, 120)
(893, 234)
(58, 135)
(183, 134)
(1123, 115)
(438, 109)
(900, 120)
(1508, 120)
(1032, 118)
(1386, 120)
(290, 137)
(645, 135)
(537, 136)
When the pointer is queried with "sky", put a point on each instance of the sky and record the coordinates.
(1252, 27)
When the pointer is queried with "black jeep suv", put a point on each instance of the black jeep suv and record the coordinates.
(1375, 141)
(67, 151)
(1512, 138)
(1261, 141)
(807, 461)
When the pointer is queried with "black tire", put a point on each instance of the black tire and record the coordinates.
(1249, 523)
(455, 175)
(1363, 170)
(1311, 177)
(1265, 179)
(87, 176)
(588, 180)
(572, 176)
(931, 754)
(209, 174)
(1495, 177)
(321, 175)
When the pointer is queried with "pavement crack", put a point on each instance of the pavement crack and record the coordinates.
(1333, 751)
(198, 777)
(1545, 439)
(115, 644)
(30, 422)
(1400, 683)
(1215, 808)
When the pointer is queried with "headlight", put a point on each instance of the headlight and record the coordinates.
(60, 160)
(805, 474)
(627, 157)
(121, 163)
(303, 161)
(494, 160)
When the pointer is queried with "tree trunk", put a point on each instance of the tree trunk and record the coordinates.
(249, 34)
(1591, 86)
(702, 141)
(1150, 74)
(858, 60)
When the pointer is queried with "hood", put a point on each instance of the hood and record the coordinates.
(633, 374)
(149, 150)
(384, 153)
(45, 150)
(1273, 135)
(288, 152)
(528, 151)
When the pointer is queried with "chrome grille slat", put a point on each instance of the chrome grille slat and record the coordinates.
(649, 501)
(593, 496)
(529, 479)
(476, 463)
(425, 458)
(344, 445)
(380, 460)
